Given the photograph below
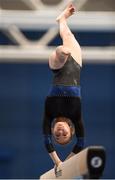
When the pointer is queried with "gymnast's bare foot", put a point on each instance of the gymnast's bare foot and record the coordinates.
(68, 11)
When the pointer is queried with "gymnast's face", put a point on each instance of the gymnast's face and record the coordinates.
(62, 132)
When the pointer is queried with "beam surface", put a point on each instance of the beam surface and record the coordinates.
(88, 163)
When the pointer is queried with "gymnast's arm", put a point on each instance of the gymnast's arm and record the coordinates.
(48, 140)
(76, 149)
(79, 132)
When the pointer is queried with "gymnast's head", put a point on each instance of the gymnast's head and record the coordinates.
(62, 130)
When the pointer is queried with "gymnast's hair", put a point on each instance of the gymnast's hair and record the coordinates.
(69, 122)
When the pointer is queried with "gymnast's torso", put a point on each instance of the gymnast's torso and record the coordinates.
(66, 80)
(64, 96)
(68, 75)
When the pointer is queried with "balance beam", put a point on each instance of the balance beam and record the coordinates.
(89, 163)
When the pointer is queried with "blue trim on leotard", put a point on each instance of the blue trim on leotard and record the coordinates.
(60, 90)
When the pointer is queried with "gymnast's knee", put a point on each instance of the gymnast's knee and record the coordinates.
(62, 50)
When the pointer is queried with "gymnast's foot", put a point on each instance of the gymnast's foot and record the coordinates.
(69, 11)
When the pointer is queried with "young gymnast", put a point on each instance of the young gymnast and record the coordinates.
(62, 111)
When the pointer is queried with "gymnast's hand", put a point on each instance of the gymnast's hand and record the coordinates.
(57, 169)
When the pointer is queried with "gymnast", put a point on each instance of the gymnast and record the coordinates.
(62, 110)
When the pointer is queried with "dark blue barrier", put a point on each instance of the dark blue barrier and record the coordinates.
(23, 88)
(86, 38)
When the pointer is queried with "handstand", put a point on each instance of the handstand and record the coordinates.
(62, 111)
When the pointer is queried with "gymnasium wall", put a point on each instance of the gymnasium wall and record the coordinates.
(23, 88)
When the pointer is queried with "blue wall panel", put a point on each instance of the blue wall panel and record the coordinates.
(23, 88)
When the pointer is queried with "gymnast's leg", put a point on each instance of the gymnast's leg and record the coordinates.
(67, 36)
